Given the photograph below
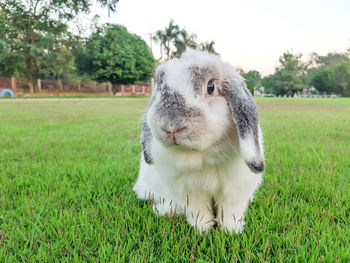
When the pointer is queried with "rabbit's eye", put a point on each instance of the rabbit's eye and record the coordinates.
(210, 88)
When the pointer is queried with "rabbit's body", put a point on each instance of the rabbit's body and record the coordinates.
(195, 160)
(180, 189)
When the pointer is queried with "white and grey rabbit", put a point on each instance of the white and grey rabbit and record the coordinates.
(202, 143)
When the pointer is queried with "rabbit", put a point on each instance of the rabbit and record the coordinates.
(202, 143)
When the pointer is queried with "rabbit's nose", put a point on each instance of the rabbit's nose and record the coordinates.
(173, 130)
(174, 134)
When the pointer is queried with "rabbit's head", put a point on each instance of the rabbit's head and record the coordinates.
(196, 100)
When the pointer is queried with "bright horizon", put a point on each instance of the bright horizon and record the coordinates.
(249, 34)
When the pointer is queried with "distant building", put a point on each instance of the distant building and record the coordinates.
(309, 91)
(259, 91)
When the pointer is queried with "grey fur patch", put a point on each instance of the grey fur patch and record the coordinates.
(198, 77)
(243, 108)
(245, 115)
(146, 139)
(159, 78)
(173, 110)
(257, 167)
(146, 135)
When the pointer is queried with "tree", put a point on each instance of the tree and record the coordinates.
(252, 78)
(319, 63)
(208, 46)
(59, 63)
(33, 33)
(341, 79)
(287, 83)
(166, 39)
(115, 55)
(292, 63)
(183, 41)
(174, 40)
(290, 76)
(8, 61)
(331, 60)
(322, 81)
(270, 84)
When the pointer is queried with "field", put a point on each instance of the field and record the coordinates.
(67, 167)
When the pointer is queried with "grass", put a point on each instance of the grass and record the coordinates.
(67, 167)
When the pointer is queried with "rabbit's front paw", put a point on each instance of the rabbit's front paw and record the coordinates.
(231, 225)
(201, 221)
(200, 216)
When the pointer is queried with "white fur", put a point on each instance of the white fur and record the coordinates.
(186, 180)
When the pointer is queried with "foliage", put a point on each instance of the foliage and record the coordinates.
(292, 63)
(330, 73)
(174, 40)
(183, 41)
(290, 75)
(35, 42)
(341, 78)
(330, 60)
(287, 83)
(208, 46)
(66, 187)
(115, 55)
(167, 38)
(269, 84)
(8, 60)
(323, 81)
(252, 78)
(35, 37)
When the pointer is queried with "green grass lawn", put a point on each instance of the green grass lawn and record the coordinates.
(67, 167)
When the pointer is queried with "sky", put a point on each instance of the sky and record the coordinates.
(250, 34)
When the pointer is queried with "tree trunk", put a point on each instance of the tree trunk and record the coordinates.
(29, 73)
(31, 89)
(39, 85)
(35, 85)
(13, 84)
(32, 72)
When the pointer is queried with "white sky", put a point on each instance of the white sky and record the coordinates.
(250, 34)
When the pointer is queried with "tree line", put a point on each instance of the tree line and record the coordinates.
(327, 74)
(36, 42)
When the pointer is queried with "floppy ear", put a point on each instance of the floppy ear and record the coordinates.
(245, 116)
(146, 135)
(146, 139)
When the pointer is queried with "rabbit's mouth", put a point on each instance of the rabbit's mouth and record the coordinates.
(179, 139)
(180, 147)
(173, 139)
(174, 135)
